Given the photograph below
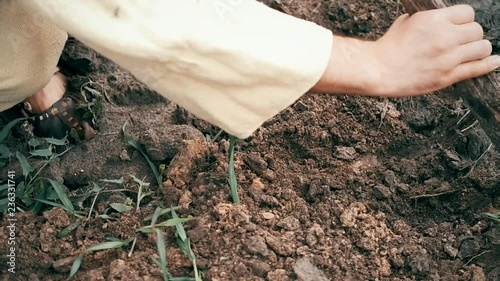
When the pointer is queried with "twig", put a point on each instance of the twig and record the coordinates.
(470, 127)
(217, 135)
(46, 163)
(132, 247)
(463, 117)
(434, 194)
(92, 207)
(480, 157)
(476, 256)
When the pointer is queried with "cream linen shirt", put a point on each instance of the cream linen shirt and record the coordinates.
(234, 63)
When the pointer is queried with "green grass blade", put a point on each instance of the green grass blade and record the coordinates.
(5, 131)
(3, 189)
(156, 215)
(121, 208)
(107, 246)
(162, 251)
(493, 216)
(58, 142)
(68, 229)
(34, 142)
(76, 265)
(163, 212)
(131, 141)
(118, 181)
(167, 223)
(4, 202)
(27, 169)
(59, 188)
(51, 203)
(156, 262)
(178, 226)
(46, 152)
(233, 183)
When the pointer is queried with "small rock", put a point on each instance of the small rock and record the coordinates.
(118, 270)
(280, 246)
(63, 265)
(419, 264)
(257, 184)
(278, 275)
(33, 277)
(300, 106)
(384, 268)
(350, 215)
(289, 223)
(269, 200)
(303, 250)
(469, 248)
(267, 215)
(390, 179)
(450, 250)
(306, 271)
(477, 273)
(124, 155)
(95, 275)
(381, 192)
(269, 175)
(255, 163)
(260, 268)
(403, 188)
(314, 235)
(241, 270)
(316, 189)
(256, 245)
(165, 142)
(344, 153)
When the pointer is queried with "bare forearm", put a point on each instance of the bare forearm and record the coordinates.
(419, 54)
(351, 69)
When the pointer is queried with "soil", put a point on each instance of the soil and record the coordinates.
(332, 188)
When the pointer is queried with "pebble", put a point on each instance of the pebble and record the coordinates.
(257, 184)
(306, 271)
(260, 268)
(381, 192)
(450, 250)
(268, 216)
(289, 223)
(344, 153)
(256, 245)
(63, 265)
(469, 248)
(278, 275)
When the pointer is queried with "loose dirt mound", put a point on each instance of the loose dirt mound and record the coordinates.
(333, 188)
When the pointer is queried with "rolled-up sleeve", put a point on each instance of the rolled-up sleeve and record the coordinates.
(234, 63)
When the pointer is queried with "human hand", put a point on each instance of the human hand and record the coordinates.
(431, 50)
(419, 54)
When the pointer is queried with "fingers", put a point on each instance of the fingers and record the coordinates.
(469, 32)
(475, 68)
(473, 51)
(460, 14)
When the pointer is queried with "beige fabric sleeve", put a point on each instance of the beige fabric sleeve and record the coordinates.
(234, 63)
(30, 47)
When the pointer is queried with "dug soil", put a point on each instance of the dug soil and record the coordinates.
(333, 188)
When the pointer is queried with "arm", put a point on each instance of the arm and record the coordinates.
(236, 64)
(419, 54)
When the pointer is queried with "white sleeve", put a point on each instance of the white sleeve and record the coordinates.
(234, 63)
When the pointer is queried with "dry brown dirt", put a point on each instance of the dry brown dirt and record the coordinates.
(332, 188)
